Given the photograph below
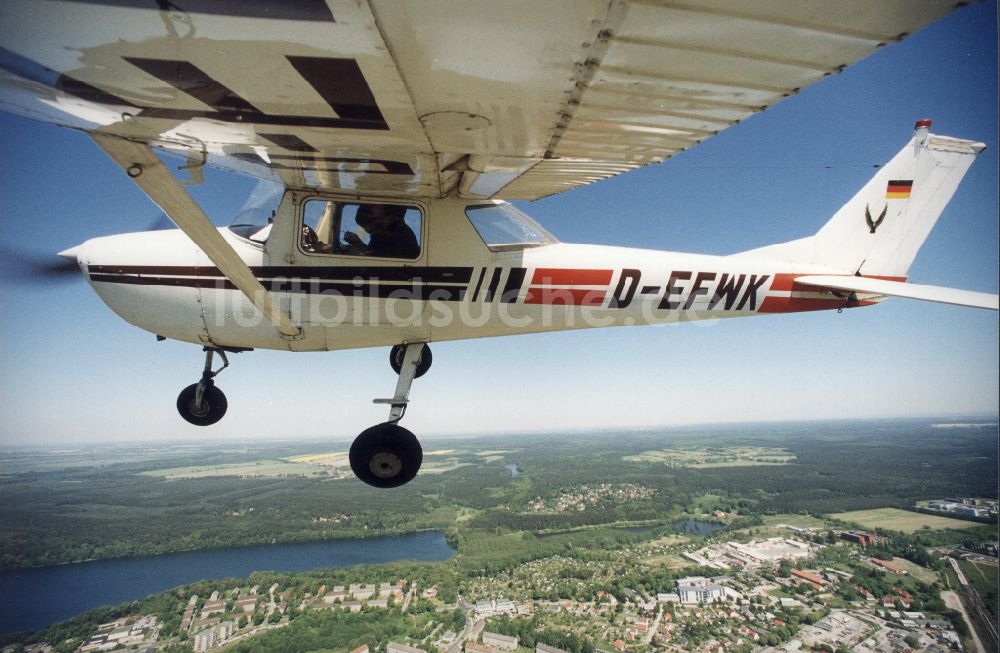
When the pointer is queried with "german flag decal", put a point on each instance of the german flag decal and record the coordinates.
(898, 189)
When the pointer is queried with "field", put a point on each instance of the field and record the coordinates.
(259, 468)
(903, 521)
(920, 573)
(703, 458)
(799, 521)
(104, 502)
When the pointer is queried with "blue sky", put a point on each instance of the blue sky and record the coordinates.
(72, 371)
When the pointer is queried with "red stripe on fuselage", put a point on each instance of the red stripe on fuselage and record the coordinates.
(800, 304)
(570, 277)
(565, 296)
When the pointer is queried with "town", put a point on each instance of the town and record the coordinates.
(799, 588)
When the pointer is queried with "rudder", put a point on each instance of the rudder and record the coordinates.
(879, 231)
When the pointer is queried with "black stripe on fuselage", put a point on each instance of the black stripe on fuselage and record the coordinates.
(491, 290)
(307, 10)
(456, 275)
(479, 284)
(511, 289)
(416, 290)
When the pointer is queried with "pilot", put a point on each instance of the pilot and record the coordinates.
(390, 235)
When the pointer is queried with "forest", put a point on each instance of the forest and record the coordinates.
(56, 510)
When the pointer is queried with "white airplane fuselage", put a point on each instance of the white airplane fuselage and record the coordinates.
(457, 288)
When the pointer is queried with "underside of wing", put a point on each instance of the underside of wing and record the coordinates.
(518, 99)
(901, 289)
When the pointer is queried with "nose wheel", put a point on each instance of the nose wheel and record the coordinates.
(387, 455)
(201, 403)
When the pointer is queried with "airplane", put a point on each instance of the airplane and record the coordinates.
(400, 131)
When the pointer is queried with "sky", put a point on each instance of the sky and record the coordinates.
(71, 371)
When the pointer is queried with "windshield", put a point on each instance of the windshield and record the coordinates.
(253, 221)
(502, 227)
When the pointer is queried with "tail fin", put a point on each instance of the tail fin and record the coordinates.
(880, 230)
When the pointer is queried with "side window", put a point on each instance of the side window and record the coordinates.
(353, 229)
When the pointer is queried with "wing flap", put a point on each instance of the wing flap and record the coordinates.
(901, 289)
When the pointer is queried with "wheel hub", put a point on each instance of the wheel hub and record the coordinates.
(199, 411)
(385, 464)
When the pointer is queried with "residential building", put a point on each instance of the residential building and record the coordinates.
(205, 639)
(858, 537)
(502, 642)
(696, 589)
(545, 648)
(246, 604)
(334, 596)
(808, 577)
(395, 647)
(362, 592)
(472, 647)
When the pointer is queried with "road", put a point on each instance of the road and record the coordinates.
(952, 601)
(653, 627)
(469, 633)
(409, 596)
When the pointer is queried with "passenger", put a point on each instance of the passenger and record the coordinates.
(390, 235)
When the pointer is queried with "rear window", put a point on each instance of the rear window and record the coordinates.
(502, 227)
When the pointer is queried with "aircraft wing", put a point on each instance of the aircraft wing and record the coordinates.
(516, 99)
(902, 289)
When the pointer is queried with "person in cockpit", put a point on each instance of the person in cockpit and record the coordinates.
(390, 235)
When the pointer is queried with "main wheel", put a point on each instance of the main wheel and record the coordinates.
(213, 405)
(386, 455)
(397, 354)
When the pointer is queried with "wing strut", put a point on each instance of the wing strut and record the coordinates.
(142, 165)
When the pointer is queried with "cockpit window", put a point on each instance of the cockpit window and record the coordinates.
(503, 228)
(253, 221)
(354, 229)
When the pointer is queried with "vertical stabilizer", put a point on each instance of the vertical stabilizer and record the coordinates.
(880, 230)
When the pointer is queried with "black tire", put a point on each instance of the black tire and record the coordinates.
(386, 455)
(397, 353)
(213, 407)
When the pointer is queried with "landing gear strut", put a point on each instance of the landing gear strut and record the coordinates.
(387, 455)
(202, 403)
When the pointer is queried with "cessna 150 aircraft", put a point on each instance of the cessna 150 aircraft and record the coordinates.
(397, 130)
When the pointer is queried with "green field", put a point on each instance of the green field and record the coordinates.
(904, 521)
(799, 521)
(260, 468)
(708, 457)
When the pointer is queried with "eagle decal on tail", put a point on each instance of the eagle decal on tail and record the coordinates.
(873, 224)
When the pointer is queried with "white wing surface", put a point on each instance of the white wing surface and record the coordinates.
(513, 99)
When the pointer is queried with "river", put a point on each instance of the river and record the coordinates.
(31, 599)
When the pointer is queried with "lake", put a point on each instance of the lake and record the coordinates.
(31, 599)
(697, 526)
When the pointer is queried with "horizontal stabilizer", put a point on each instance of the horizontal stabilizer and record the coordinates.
(902, 289)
